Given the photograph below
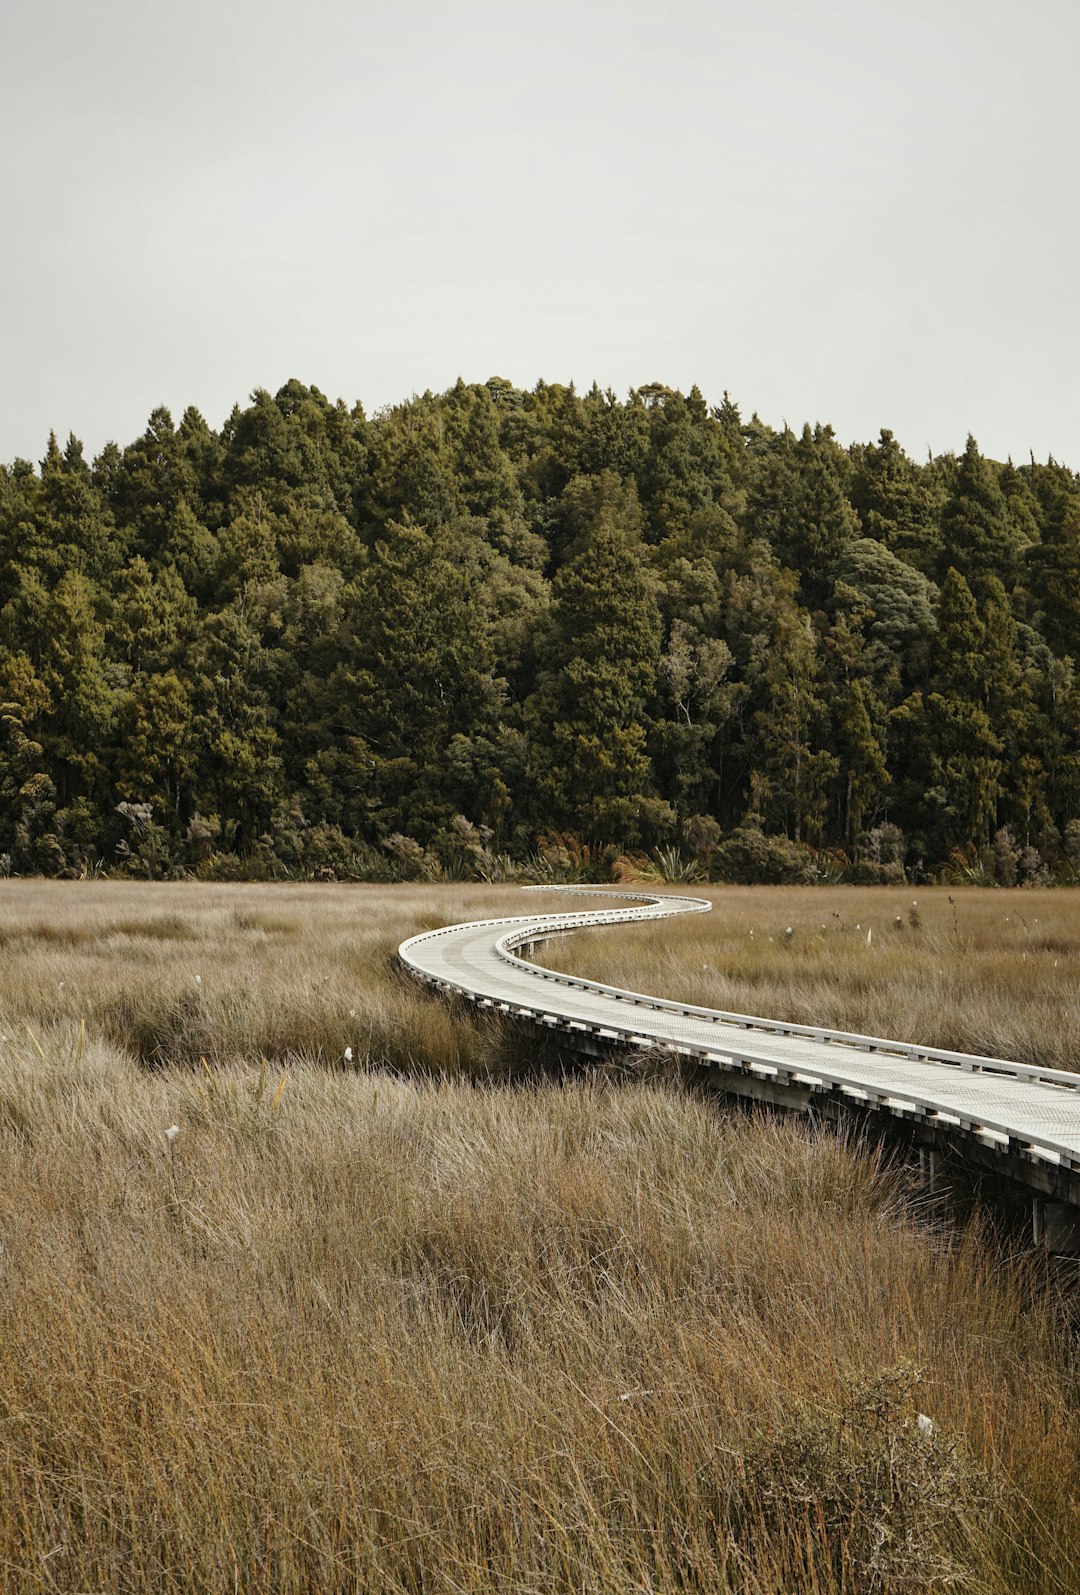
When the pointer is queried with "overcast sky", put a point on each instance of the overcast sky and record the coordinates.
(840, 210)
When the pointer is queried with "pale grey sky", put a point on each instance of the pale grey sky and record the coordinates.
(850, 211)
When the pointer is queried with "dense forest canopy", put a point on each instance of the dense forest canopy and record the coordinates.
(489, 631)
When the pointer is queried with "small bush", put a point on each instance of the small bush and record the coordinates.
(1006, 855)
(885, 1502)
(880, 856)
(749, 857)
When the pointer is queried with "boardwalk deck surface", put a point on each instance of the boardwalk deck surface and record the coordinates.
(1027, 1112)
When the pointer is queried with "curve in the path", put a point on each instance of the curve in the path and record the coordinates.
(1023, 1112)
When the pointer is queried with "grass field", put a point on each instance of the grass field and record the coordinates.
(419, 1330)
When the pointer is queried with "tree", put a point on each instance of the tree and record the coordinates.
(977, 534)
(687, 468)
(74, 530)
(794, 765)
(419, 670)
(1054, 567)
(490, 614)
(899, 505)
(861, 748)
(412, 476)
(950, 750)
(586, 716)
(900, 600)
(696, 700)
(799, 505)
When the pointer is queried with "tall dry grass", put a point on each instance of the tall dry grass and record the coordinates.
(993, 972)
(351, 1330)
(177, 972)
(360, 1333)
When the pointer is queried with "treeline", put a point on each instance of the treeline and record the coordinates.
(491, 632)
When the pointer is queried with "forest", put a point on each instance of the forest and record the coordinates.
(506, 634)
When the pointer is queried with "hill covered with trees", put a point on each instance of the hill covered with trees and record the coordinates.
(492, 630)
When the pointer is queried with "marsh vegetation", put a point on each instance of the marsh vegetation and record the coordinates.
(387, 1322)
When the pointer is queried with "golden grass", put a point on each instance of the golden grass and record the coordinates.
(174, 973)
(349, 1330)
(992, 972)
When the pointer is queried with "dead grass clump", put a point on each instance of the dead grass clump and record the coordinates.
(869, 1491)
(162, 927)
(46, 932)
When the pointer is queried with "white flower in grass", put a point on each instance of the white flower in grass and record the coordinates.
(926, 1425)
(171, 1133)
(348, 1054)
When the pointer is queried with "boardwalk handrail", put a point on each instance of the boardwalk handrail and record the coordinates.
(971, 1062)
(834, 1060)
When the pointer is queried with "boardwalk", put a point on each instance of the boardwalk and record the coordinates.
(1026, 1118)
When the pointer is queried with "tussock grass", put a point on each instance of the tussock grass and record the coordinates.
(174, 973)
(352, 1331)
(357, 1330)
(992, 972)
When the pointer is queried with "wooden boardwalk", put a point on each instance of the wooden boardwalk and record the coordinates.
(1027, 1119)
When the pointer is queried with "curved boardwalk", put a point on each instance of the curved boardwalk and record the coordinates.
(1027, 1118)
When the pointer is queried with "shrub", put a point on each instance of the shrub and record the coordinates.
(875, 1489)
(750, 857)
(702, 833)
(408, 861)
(880, 856)
(1030, 867)
(1006, 857)
(663, 864)
(827, 866)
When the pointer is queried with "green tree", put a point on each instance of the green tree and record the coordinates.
(695, 703)
(586, 717)
(950, 752)
(419, 670)
(899, 504)
(1054, 573)
(798, 504)
(900, 601)
(794, 766)
(977, 534)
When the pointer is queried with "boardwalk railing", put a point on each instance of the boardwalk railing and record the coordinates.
(1018, 1110)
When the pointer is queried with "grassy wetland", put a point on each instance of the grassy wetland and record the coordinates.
(300, 1290)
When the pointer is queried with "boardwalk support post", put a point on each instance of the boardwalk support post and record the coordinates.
(929, 1168)
(1056, 1227)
